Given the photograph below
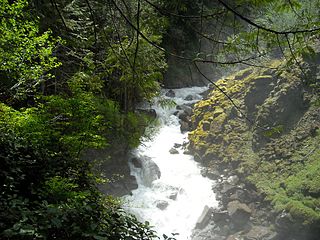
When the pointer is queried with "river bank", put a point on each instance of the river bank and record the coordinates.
(262, 149)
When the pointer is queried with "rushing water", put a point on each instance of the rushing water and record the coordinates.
(180, 186)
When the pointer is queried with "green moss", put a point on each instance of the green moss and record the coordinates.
(285, 169)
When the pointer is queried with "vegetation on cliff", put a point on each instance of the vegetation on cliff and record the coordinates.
(264, 126)
(73, 71)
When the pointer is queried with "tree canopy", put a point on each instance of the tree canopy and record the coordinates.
(72, 73)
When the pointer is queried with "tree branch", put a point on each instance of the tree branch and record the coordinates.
(252, 23)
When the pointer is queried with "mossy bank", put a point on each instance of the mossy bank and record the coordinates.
(263, 126)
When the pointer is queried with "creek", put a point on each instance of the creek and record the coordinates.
(172, 193)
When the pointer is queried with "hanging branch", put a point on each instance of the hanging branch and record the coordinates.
(138, 30)
(54, 4)
(224, 93)
(242, 114)
(265, 28)
(243, 61)
(201, 25)
(281, 50)
(120, 42)
(94, 22)
(167, 13)
(294, 56)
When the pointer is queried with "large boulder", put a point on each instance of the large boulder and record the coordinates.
(173, 151)
(136, 162)
(150, 171)
(185, 126)
(170, 93)
(260, 232)
(239, 213)
(220, 217)
(211, 173)
(185, 108)
(184, 116)
(204, 218)
(189, 98)
(161, 204)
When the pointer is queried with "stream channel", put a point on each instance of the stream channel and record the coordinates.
(172, 193)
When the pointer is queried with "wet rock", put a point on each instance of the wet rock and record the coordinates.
(173, 195)
(204, 218)
(187, 109)
(197, 157)
(189, 98)
(185, 126)
(173, 151)
(161, 204)
(206, 93)
(228, 189)
(205, 235)
(170, 93)
(260, 232)
(150, 171)
(130, 182)
(239, 213)
(223, 230)
(240, 195)
(220, 217)
(225, 190)
(136, 162)
(233, 180)
(184, 116)
(213, 174)
(177, 145)
(187, 152)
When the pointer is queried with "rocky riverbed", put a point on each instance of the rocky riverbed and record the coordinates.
(257, 137)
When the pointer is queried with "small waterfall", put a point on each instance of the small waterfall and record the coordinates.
(172, 193)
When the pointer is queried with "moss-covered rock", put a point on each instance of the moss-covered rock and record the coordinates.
(268, 134)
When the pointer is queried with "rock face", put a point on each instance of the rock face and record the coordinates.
(268, 138)
(150, 171)
(204, 218)
(239, 213)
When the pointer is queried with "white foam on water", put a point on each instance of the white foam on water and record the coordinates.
(179, 174)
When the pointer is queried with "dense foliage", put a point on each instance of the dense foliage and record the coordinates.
(69, 83)
(71, 75)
